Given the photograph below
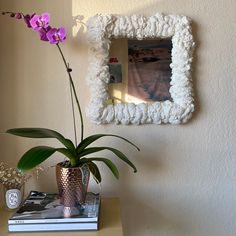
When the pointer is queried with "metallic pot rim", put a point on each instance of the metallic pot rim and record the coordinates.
(60, 164)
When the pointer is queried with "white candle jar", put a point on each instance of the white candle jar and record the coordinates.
(13, 197)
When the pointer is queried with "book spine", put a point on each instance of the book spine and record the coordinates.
(46, 221)
(52, 227)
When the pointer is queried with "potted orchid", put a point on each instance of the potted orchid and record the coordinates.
(78, 165)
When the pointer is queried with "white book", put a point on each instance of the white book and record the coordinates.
(45, 208)
(52, 227)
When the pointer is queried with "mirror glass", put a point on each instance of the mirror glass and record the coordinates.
(140, 70)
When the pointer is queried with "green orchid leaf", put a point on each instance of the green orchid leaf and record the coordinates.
(34, 157)
(95, 171)
(118, 153)
(87, 141)
(42, 133)
(106, 161)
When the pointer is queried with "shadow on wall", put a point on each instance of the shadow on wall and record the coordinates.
(138, 213)
(195, 71)
(149, 204)
(139, 216)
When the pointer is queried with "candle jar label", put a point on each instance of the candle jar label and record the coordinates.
(13, 198)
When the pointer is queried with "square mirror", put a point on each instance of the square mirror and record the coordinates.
(140, 69)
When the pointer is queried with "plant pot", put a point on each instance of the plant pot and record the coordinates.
(72, 184)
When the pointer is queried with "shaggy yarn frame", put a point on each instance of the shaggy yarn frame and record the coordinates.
(101, 30)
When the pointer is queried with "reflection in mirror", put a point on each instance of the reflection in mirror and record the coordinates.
(149, 72)
(140, 70)
(118, 54)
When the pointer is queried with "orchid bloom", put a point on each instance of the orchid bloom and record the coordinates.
(56, 35)
(38, 22)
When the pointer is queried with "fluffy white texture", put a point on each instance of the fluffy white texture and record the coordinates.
(101, 29)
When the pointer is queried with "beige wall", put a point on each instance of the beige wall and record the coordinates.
(187, 174)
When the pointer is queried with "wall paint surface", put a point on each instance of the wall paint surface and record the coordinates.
(186, 177)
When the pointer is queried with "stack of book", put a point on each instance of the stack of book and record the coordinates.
(43, 212)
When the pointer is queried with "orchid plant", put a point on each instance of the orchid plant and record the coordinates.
(75, 152)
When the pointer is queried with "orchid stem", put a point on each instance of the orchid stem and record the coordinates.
(72, 86)
(73, 111)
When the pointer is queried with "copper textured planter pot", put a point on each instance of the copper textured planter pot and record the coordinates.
(72, 184)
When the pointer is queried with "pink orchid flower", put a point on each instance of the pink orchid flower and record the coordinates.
(39, 22)
(55, 35)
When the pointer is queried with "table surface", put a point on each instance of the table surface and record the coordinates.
(110, 222)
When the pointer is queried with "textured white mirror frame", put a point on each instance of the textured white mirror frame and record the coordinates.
(103, 28)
